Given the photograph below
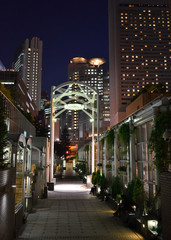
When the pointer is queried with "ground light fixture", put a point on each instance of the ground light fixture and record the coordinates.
(152, 225)
(70, 188)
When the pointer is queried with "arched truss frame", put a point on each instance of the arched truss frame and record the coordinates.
(73, 95)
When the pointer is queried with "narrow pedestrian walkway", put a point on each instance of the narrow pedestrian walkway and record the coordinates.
(70, 212)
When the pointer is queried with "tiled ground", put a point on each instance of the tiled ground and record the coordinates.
(70, 212)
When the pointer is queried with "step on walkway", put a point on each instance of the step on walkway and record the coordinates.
(70, 212)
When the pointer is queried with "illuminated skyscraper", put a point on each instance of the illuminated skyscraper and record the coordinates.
(139, 50)
(92, 73)
(28, 61)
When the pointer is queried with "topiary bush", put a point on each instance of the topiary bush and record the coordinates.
(94, 178)
(98, 176)
(129, 192)
(116, 188)
(138, 194)
(103, 182)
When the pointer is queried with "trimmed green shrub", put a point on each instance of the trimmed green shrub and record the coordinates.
(129, 192)
(94, 178)
(103, 182)
(116, 187)
(138, 194)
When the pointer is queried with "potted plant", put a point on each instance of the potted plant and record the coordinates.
(108, 166)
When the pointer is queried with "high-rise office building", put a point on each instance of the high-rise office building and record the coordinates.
(28, 61)
(92, 73)
(18, 91)
(139, 50)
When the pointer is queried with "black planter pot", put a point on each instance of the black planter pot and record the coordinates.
(50, 186)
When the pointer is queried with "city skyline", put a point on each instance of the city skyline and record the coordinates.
(106, 129)
(75, 29)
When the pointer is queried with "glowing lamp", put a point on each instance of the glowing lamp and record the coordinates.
(97, 61)
(152, 225)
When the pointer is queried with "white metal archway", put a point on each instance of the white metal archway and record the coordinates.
(75, 96)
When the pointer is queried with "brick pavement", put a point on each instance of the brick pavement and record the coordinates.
(70, 212)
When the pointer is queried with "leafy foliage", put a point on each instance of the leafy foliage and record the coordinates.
(110, 138)
(102, 141)
(129, 192)
(124, 134)
(98, 176)
(76, 157)
(116, 187)
(86, 148)
(110, 141)
(6, 92)
(108, 166)
(157, 143)
(82, 167)
(103, 182)
(94, 178)
(138, 194)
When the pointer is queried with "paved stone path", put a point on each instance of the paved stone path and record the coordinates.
(70, 212)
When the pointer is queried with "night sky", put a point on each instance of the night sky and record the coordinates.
(68, 28)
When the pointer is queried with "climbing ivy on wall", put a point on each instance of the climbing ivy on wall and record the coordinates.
(110, 138)
(102, 141)
(156, 142)
(86, 148)
(110, 141)
(124, 134)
